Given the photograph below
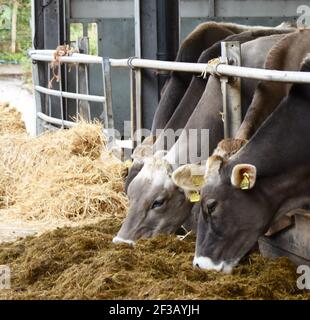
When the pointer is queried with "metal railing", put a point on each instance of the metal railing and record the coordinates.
(105, 99)
(225, 66)
(220, 68)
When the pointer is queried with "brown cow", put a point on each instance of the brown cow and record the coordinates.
(157, 205)
(200, 39)
(267, 178)
(286, 55)
(190, 99)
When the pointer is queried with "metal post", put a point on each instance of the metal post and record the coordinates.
(107, 87)
(87, 90)
(77, 81)
(137, 73)
(231, 89)
(82, 81)
(37, 96)
(133, 104)
(48, 99)
(167, 35)
(61, 98)
(211, 9)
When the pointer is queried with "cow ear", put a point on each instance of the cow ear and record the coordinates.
(150, 140)
(191, 179)
(243, 176)
(145, 149)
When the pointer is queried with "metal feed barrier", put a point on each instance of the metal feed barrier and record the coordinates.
(48, 56)
(228, 65)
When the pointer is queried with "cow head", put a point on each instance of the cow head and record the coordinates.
(234, 213)
(162, 199)
(157, 205)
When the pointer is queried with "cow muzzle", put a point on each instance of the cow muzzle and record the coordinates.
(118, 239)
(207, 264)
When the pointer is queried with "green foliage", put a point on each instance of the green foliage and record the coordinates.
(76, 31)
(23, 30)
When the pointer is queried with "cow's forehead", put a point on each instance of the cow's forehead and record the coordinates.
(154, 175)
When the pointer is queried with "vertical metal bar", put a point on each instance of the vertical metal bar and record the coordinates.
(48, 98)
(107, 87)
(65, 68)
(83, 106)
(137, 73)
(61, 98)
(85, 29)
(77, 90)
(224, 81)
(65, 41)
(37, 96)
(137, 28)
(138, 105)
(211, 8)
(87, 91)
(133, 104)
(231, 90)
(66, 23)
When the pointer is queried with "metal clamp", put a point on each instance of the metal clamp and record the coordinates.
(129, 63)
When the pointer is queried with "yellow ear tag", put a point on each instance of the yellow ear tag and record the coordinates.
(128, 163)
(194, 196)
(245, 183)
(198, 181)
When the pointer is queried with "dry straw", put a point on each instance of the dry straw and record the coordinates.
(66, 175)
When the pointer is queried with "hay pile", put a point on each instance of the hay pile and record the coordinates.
(66, 175)
(83, 263)
(10, 120)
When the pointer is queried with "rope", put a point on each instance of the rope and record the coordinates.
(213, 63)
(61, 51)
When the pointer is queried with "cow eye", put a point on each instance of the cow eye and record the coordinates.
(211, 205)
(158, 203)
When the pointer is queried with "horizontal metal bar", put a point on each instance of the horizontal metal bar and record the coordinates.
(264, 74)
(160, 65)
(124, 144)
(56, 121)
(70, 95)
(74, 58)
(222, 69)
